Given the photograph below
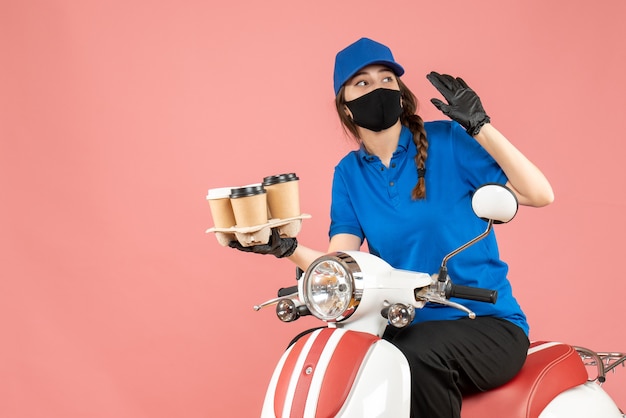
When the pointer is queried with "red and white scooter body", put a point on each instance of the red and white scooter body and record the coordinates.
(587, 400)
(337, 373)
(347, 370)
(552, 384)
(333, 372)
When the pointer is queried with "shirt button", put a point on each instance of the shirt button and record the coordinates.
(393, 165)
(391, 183)
(382, 168)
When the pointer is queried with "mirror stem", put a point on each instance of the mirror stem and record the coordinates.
(443, 270)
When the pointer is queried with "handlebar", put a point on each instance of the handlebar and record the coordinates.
(471, 293)
(286, 291)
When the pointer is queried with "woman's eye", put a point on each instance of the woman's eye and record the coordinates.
(388, 79)
(361, 83)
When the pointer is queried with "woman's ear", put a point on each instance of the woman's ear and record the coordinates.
(347, 111)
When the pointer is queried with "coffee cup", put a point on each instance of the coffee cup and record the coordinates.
(249, 205)
(283, 196)
(221, 208)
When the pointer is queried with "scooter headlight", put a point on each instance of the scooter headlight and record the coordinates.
(330, 291)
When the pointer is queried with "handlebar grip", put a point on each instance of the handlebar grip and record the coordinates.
(286, 291)
(471, 293)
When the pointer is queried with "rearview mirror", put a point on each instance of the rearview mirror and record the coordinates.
(495, 202)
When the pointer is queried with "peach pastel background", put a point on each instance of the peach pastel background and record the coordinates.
(117, 116)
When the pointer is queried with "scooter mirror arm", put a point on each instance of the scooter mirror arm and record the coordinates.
(443, 270)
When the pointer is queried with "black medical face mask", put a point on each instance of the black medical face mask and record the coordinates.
(376, 110)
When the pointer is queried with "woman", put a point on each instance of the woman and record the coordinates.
(407, 191)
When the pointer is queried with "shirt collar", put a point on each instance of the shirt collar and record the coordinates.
(406, 137)
(403, 144)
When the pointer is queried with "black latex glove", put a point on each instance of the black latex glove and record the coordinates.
(276, 246)
(463, 106)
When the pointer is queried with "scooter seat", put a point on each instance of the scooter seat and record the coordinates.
(550, 369)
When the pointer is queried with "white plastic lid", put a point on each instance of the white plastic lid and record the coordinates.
(219, 193)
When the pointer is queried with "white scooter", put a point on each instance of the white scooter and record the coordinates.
(346, 370)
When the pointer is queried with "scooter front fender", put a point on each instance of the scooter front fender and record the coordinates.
(334, 372)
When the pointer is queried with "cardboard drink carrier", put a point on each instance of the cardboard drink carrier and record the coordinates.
(248, 214)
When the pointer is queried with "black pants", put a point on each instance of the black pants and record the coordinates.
(451, 358)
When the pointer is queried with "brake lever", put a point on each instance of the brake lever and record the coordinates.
(274, 301)
(434, 295)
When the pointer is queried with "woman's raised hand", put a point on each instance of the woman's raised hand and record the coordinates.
(463, 105)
